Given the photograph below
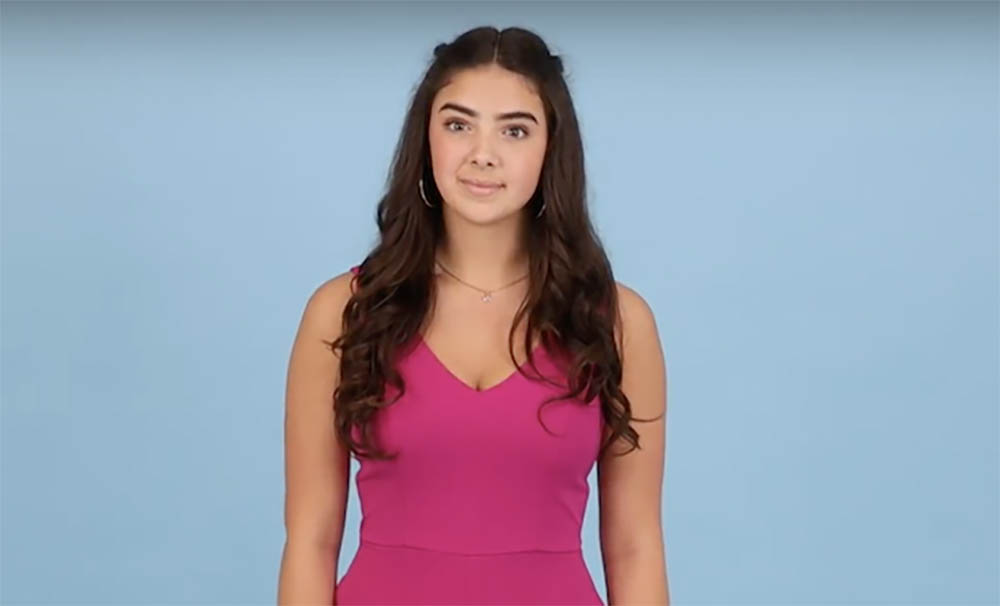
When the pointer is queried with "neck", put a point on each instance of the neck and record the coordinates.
(485, 255)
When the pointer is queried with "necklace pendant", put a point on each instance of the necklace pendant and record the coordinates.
(487, 297)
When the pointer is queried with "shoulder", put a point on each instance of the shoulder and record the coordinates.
(325, 305)
(644, 371)
(638, 323)
(334, 290)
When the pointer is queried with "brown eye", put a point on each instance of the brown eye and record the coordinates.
(522, 129)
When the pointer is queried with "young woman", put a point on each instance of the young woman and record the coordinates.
(478, 362)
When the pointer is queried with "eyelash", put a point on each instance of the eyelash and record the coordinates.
(448, 123)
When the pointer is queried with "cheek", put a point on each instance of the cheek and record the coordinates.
(527, 172)
(445, 156)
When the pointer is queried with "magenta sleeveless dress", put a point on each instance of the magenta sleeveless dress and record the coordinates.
(482, 505)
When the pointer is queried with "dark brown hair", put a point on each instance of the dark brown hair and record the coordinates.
(572, 302)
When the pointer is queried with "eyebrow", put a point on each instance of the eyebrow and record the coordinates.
(504, 116)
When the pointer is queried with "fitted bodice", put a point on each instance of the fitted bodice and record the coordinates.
(476, 471)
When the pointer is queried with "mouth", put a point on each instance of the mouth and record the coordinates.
(482, 188)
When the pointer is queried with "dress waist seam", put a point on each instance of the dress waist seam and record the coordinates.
(467, 553)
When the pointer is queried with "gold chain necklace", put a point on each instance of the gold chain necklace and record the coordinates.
(487, 294)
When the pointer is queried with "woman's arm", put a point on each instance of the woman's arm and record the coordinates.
(631, 485)
(317, 465)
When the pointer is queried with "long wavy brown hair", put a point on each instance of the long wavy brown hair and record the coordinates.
(572, 302)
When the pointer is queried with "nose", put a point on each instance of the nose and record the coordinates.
(483, 154)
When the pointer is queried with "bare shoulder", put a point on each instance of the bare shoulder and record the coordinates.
(637, 318)
(643, 363)
(325, 306)
(333, 292)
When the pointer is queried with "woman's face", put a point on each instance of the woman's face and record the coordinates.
(487, 125)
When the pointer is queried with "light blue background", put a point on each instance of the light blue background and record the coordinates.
(805, 193)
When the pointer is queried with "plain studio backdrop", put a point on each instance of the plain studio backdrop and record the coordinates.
(806, 194)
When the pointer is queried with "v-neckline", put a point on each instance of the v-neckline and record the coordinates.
(455, 378)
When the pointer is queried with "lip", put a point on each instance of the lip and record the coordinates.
(482, 183)
(481, 188)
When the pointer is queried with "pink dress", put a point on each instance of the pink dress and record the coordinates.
(482, 505)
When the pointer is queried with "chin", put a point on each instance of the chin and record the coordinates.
(476, 211)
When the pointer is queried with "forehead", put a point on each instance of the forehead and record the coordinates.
(490, 90)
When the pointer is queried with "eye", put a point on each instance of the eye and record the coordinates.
(523, 132)
(522, 129)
